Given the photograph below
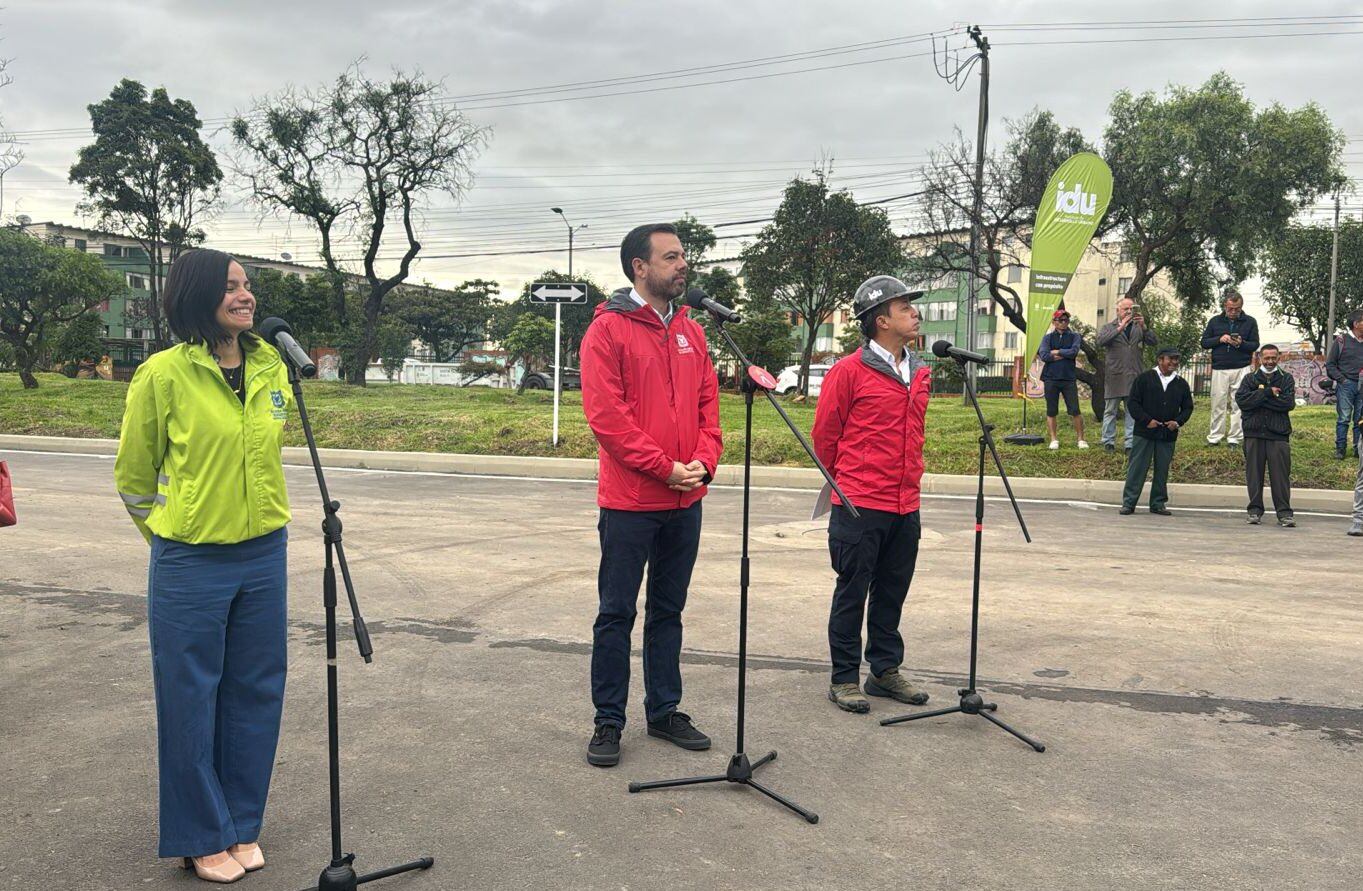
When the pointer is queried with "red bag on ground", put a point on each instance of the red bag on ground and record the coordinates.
(7, 515)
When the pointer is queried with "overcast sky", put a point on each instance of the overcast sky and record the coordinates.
(719, 150)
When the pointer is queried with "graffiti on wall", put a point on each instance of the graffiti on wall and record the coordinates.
(1308, 374)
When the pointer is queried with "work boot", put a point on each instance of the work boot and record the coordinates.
(896, 686)
(604, 749)
(677, 729)
(849, 698)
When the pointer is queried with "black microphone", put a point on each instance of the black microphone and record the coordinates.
(278, 334)
(943, 349)
(696, 299)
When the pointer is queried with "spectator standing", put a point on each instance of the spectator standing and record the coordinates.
(1233, 338)
(1266, 397)
(1161, 403)
(1123, 341)
(1058, 350)
(1344, 364)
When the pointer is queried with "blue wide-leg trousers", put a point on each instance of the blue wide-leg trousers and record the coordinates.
(218, 621)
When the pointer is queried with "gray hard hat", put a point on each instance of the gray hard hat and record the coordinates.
(879, 289)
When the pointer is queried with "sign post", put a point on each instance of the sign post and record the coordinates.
(558, 293)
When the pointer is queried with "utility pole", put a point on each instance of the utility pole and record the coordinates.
(1334, 276)
(982, 43)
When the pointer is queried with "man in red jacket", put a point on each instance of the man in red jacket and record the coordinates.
(868, 431)
(651, 397)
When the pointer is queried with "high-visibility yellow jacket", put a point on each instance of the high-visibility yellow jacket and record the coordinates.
(195, 464)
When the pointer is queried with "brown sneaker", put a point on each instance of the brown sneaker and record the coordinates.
(849, 698)
(896, 686)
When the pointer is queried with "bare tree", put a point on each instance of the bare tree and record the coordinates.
(359, 159)
(10, 153)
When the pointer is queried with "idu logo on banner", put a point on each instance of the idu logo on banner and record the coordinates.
(1075, 201)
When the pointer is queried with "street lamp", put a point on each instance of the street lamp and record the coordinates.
(558, 319)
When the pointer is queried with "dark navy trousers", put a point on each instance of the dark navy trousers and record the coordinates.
(218, 621)
(666, 542)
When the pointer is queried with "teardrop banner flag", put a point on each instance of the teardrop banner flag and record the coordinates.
(1071, 207)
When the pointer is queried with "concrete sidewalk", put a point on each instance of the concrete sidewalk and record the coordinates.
(1194, 495)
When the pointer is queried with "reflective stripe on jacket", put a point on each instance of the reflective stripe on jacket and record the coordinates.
(651, 397)
(196, 465)
(869, 431)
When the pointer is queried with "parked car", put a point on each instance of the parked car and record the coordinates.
(788, 381)
(544, 380)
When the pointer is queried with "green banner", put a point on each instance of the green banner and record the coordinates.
(1071, 207)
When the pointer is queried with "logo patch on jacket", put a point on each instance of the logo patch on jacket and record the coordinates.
(683, 345)
(277, 400)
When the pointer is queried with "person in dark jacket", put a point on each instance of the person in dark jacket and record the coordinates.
(1233, 338)
(651, 398)
(1058, 350)
(1161, 402)
(868, 432)
(1344, 365)
(1266, 398)
(1124, 341)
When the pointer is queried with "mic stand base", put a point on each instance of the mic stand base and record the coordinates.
(340, 876)
(1024, 439)
(972, 703)
(740, 771)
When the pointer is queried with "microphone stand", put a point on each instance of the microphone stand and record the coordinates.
(972, 703)
(340, 873)
(740, 769)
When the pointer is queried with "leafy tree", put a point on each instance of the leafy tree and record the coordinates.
(818, 248)
(305, 303)
(531, 341)
(79, 340)
(1297, 277)
(1014, 180)
(1203, 182)
(765, 334)
(43, 286)
(448, 322)
(359, 158)
(389, 341)
(150, 176)
(697, 239)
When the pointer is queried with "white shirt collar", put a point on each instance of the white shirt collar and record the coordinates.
(634, 295)
(900, 365)
(1165, 381)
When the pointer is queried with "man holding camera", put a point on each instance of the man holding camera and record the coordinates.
(1265, 398)
(1123, 341)
(868, 432)
(1233, 338)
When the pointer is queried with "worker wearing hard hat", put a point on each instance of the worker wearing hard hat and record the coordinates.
(868, 431)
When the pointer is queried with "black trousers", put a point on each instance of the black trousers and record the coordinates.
(1277, 456)
(874, 558)
(666, 541)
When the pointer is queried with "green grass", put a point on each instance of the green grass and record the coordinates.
(479, 420)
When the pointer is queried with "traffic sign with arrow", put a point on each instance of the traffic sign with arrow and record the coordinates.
(559, 292)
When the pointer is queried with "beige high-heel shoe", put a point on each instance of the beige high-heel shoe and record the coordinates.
(248, 855)
(224, 873)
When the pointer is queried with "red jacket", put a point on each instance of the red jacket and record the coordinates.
(651, 397)
(868, 430)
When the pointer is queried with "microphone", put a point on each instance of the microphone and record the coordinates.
(943, 350)
(697, 299)
(278, 334)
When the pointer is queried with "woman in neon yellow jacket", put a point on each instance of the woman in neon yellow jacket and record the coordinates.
(199, 469)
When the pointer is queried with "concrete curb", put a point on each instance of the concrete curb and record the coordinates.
(1041, 488)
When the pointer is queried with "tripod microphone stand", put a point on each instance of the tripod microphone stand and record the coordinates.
(340, 873)
(972, 703)
(741, 769)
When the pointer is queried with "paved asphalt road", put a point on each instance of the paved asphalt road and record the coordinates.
(1198, 684)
